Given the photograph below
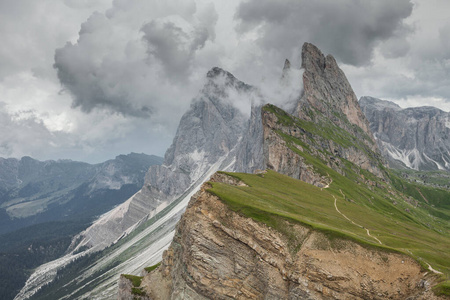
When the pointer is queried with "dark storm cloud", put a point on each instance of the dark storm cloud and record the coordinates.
(349, 29)
(427, 69)
(167, 42)
(431, 80)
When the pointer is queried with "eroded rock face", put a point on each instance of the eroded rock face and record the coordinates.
(416, 137)
(219, 254)
(250, 153)
(280, 158)
(125, 291)
(327, 101)
(327, 91)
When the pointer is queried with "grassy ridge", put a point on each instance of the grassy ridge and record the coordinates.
(405, 216)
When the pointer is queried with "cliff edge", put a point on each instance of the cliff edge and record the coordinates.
(218, 253)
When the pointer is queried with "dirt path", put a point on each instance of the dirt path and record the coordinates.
(367, 230)
(430, 268)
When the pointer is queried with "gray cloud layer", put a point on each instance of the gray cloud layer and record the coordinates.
(131, 69)
(124, 67)
(27, 136)
(175, 47)
(348, 29)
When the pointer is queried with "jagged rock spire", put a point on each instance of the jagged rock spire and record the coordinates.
(286, 70)
(287, 64)
(327, 90)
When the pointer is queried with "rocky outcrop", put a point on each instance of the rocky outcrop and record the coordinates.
(219, 254)
(127, 290)
(285, 75)
(331, 144)
(327, 118)
(207, 132)
(328, 94)
(416, 138)
(280, 157)
(250, 153)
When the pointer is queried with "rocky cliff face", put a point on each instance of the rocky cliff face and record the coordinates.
(208, 132)
(278, 156)
(328, 94)
(327, 118)
(219, 254)
(326, 141)
(250, 153)
(416, 138)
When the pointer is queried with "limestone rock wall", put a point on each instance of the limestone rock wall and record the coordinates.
(281, 158)
(327, 90)
(415, 137)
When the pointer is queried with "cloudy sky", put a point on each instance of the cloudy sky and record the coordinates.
(91, 79)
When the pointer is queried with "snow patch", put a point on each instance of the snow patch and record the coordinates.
(447, 164)
(440, 167)
(447, 122)
(412, 158)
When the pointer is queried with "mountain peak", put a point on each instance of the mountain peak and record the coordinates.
(312, 58)
(216, 72)
(415, 137)
(367, 100)
(218, 79)
(327, 92)
(287, 64)
(286, 69)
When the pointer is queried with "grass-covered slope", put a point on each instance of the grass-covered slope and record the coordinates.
(400, 227)
(272, 196)
(386, 212)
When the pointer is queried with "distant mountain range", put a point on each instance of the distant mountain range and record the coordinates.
(33, 191)
(43, 204)
(417, 137)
